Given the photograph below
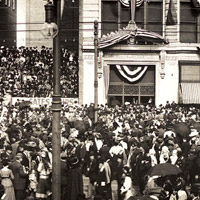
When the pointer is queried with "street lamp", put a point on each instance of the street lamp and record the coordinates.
(49, 29)
(52, 13)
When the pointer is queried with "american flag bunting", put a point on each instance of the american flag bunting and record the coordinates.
(127, 2)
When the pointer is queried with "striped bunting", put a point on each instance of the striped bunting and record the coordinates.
(127, 2)
(190, 93)
(113, 39)
(131, 75)
(138, 34)
(150, 36)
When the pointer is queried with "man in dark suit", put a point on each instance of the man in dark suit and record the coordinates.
(103, 181)
(20, 177)
(64, 175)
(91, 112)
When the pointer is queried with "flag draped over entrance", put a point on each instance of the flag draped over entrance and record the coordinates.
(132, 75)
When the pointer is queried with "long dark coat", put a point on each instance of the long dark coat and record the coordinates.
(74, 183)
(64, 179)
(91, 170)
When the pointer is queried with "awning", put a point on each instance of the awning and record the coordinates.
(190, 93)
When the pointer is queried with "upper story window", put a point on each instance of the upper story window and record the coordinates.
(147, 16)
(189, 22)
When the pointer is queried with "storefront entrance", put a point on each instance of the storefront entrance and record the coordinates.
(134, 90)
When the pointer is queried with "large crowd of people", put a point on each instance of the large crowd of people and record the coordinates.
(149, 152)
(28, 72)
(124, 145)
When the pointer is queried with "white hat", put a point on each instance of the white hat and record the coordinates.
(165, 149)
(152, 152)
(194, 133)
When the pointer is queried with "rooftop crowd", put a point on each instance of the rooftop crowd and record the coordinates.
(124, 145)
(28, 72)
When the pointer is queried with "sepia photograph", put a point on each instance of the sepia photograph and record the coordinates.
(99, 99)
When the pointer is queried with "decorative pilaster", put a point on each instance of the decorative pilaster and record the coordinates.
(162, 58)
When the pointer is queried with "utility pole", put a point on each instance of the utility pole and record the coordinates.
(56, 109)
(95, 70)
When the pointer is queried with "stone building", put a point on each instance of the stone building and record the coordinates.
(134, 64)
(31, 17)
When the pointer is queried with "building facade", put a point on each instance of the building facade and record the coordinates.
(141, 66)
(8, 23)
(31, 17)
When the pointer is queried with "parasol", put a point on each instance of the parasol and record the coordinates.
(182, 129)
(140, 198)
(165, 169)
(80, 126)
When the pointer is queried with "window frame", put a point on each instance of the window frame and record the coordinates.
(145, 21)
(192, 63)
(197, 23)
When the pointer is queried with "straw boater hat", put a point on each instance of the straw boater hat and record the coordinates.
(193, 133)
